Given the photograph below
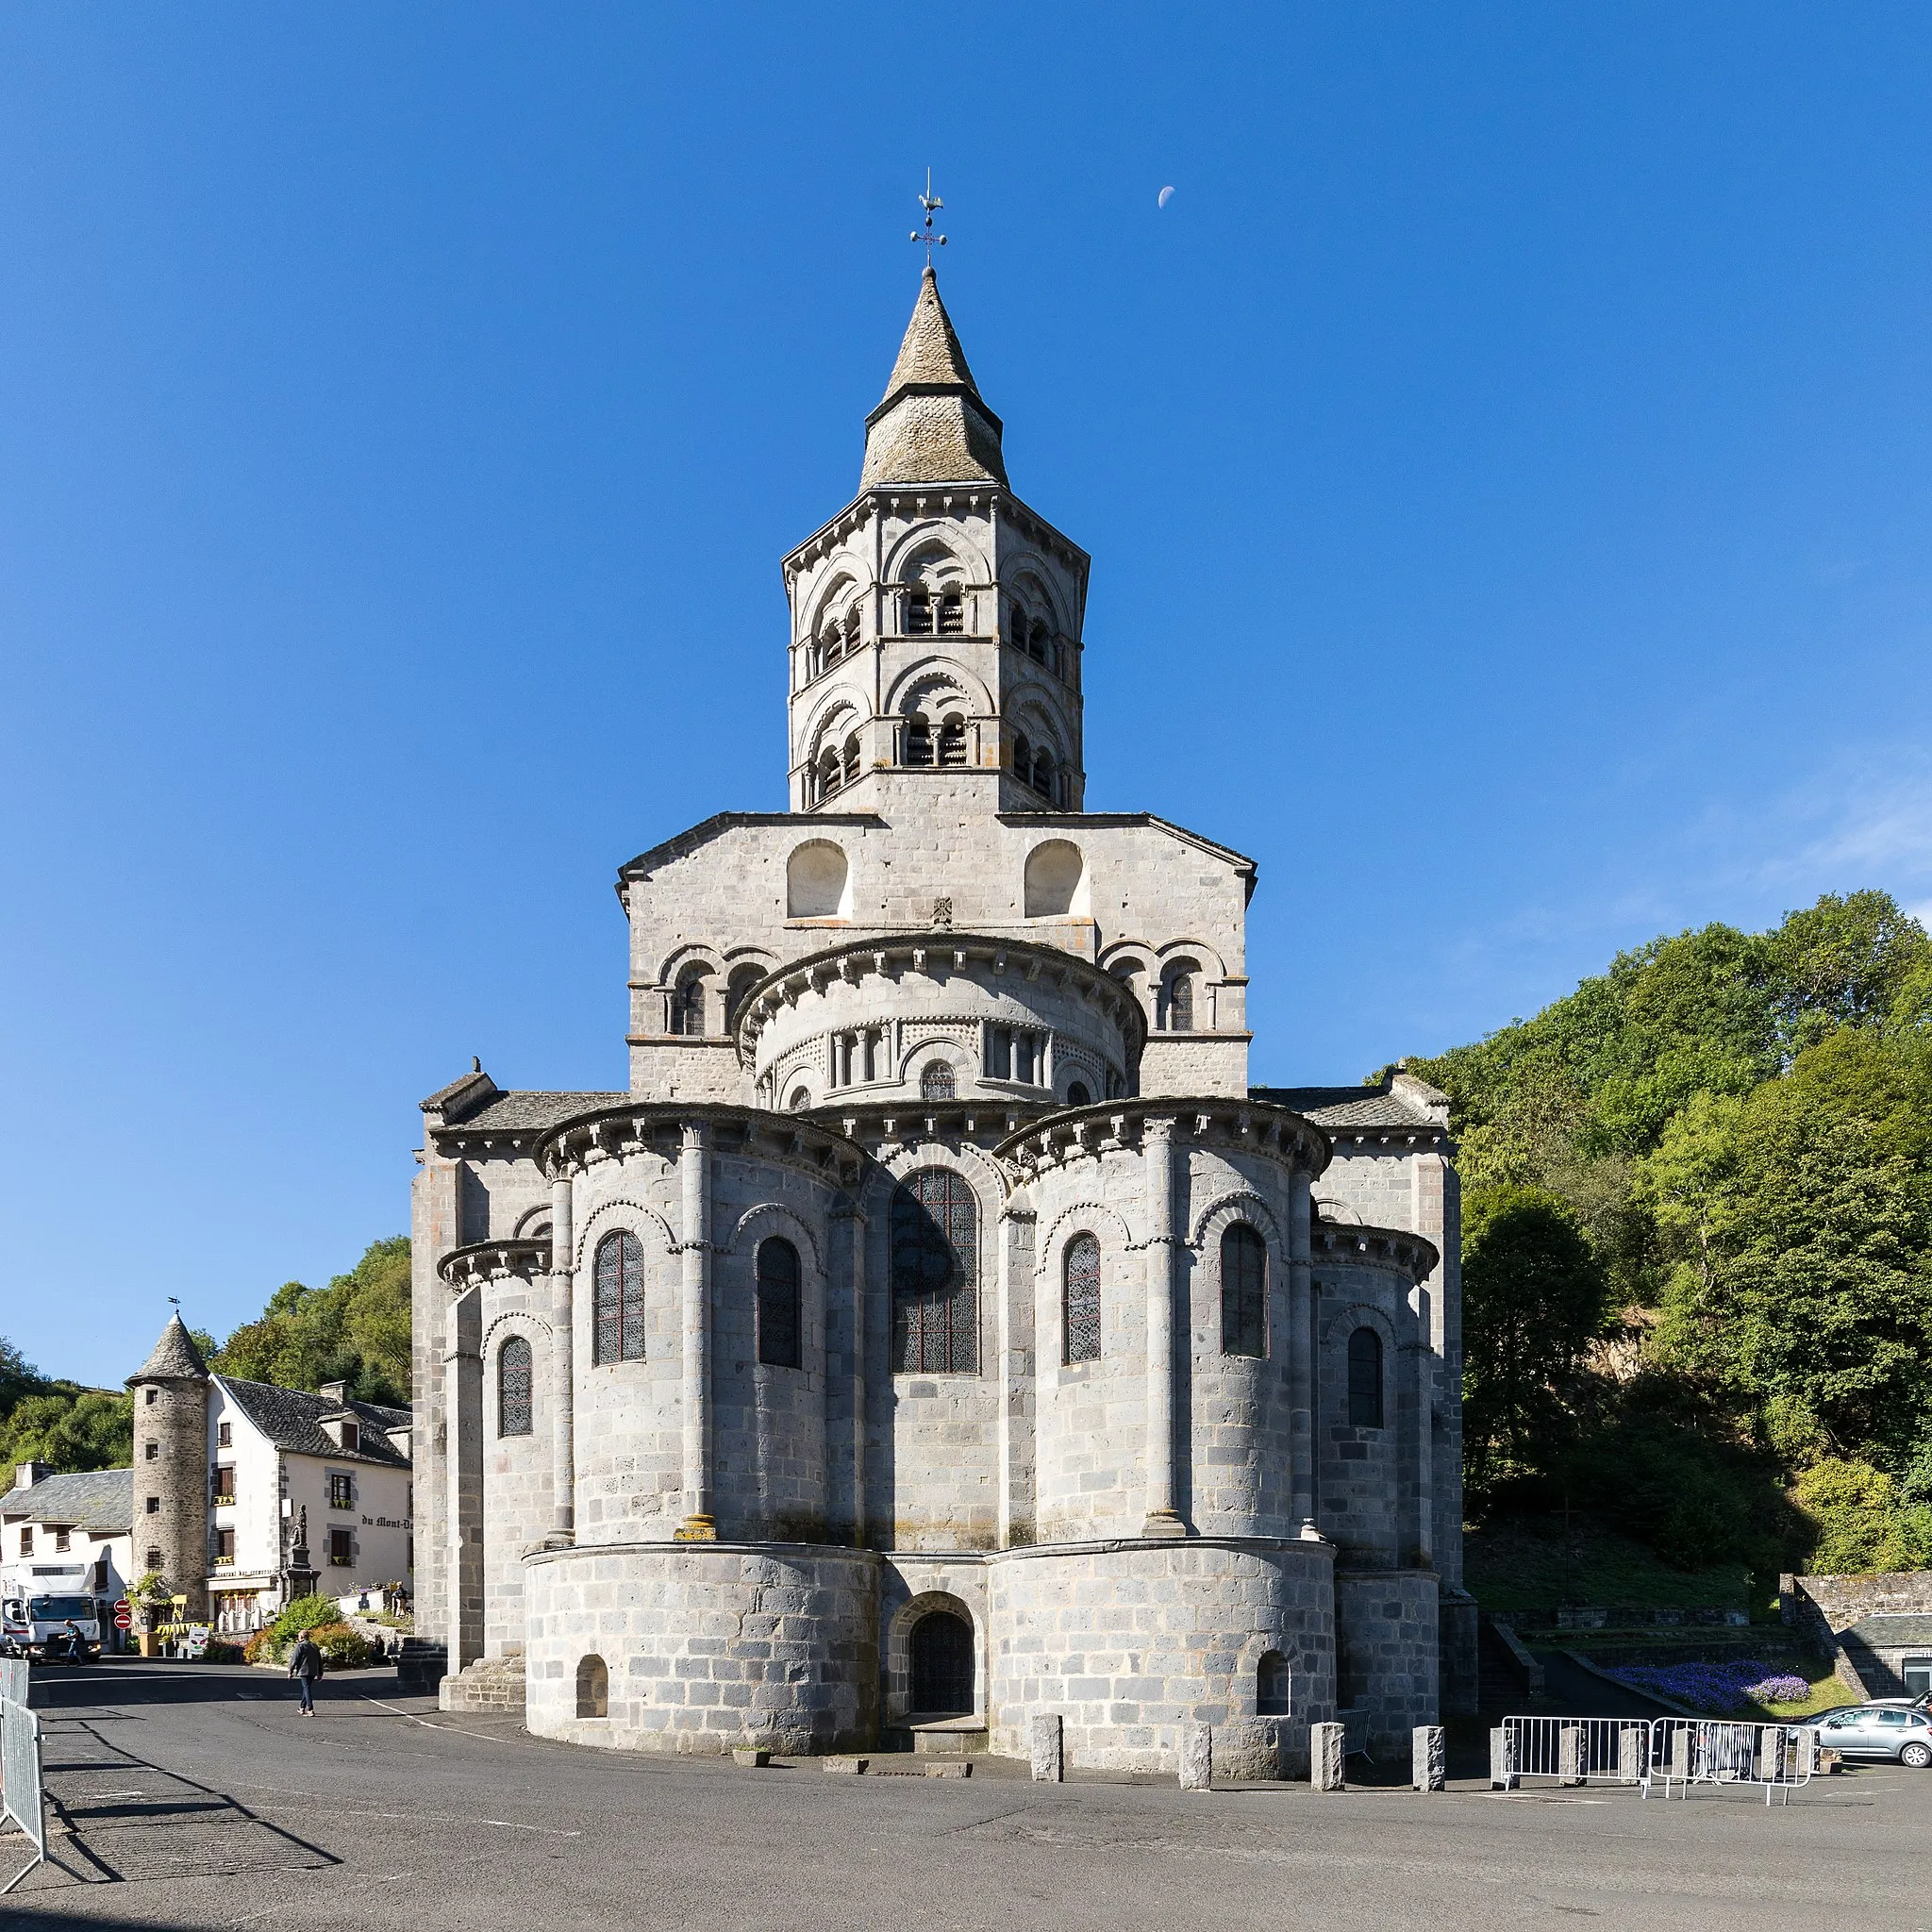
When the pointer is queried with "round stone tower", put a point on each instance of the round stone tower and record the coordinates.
(171, 1466)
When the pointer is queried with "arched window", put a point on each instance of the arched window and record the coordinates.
(593, 1687)
(934, 1268)
(936, 1082)
(1177, 1004)
(619, 1274)
(831, 773)
(1365, 1379)
(779, 1315)
(1039, 643)
(738, 990)
(918, 613)
(1042, 772)
(1081, 1299)
(513, 1407)
(952, 615)
(687, 1007)
(801, 1099)
(953, 742)
(1243, 1292)
(1272, 1686)
(1023, 758)
(941, 1665)
(850, 773)
(1077, 1095)
(918, 742)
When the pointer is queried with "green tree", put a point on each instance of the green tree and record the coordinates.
(1533, 1301)
(356, 1330)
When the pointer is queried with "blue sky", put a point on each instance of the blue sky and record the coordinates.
(1505, 462)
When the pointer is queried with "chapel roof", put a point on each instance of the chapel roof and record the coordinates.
(175, 1358)
(932, 426)
(532, 1110)
(95, 1499)
(1394, 1101)
(291, 1420)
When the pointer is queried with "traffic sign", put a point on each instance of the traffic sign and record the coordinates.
(124, 1615)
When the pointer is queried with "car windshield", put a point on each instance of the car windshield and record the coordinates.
(57, 1609)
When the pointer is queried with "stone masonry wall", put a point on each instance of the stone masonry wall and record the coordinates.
(1128, 1642)
(708, 1646)
(1387, 1648)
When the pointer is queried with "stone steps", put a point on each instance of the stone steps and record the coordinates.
(491, 1684)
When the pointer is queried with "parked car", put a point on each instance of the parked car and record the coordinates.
(1896, 1730)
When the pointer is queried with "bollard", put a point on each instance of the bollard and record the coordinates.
(1429, 1758)
(1328, 1749)
(1570, 1766)
(1630, 1766)
(1197, 1758)
(1501, 1761)
(1049, 1751)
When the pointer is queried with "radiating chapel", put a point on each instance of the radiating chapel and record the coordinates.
(939, 1331)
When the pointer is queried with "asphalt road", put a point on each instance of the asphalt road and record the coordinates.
(195, 1796)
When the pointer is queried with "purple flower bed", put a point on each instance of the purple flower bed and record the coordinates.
(1716, 1687)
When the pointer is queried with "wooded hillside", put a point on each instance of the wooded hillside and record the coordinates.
(1698, 1246)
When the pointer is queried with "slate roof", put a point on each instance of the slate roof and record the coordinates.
(533, 1112)
(291, 1420)
(99, 1499)
(1348, 1106)
(932, 427)
(175, 1357)
(1900, 1631)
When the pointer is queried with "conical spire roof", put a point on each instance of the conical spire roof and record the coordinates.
(931, 351)
(175, 1357)
(931, 428)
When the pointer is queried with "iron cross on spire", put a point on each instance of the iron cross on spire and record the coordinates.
(932, 204)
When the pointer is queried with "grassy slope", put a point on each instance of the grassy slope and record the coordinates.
(1537, 1566)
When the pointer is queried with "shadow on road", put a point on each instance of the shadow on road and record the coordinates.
(118, 1817)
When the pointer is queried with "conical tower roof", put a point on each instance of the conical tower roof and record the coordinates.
(175, 1358)
(931, 427)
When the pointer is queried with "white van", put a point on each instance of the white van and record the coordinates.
(49, 1610)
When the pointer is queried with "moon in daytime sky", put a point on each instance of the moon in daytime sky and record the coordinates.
(1165, 197)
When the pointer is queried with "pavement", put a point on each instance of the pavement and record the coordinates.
(195, 1796)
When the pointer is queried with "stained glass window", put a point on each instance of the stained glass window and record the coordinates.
(1243, 1292)
(936, 1082)
(513, 1411)
(620, 1299)
(1365, 1379)
(934, 1276)
(1083, 1299)
(778, 1310)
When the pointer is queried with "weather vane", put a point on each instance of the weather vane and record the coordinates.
(932, 204)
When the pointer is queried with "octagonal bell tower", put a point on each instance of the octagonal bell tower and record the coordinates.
(935, 621)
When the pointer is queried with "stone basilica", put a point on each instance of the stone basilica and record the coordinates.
(941, 1332)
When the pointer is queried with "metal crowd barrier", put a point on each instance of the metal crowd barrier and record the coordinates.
(22, 1797)
(1674, 1752)
(1686, 1751)
(1576, 1750)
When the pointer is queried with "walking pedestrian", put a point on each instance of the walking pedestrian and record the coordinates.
(305, 1666)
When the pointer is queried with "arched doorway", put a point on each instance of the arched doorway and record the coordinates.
(941, 1665)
